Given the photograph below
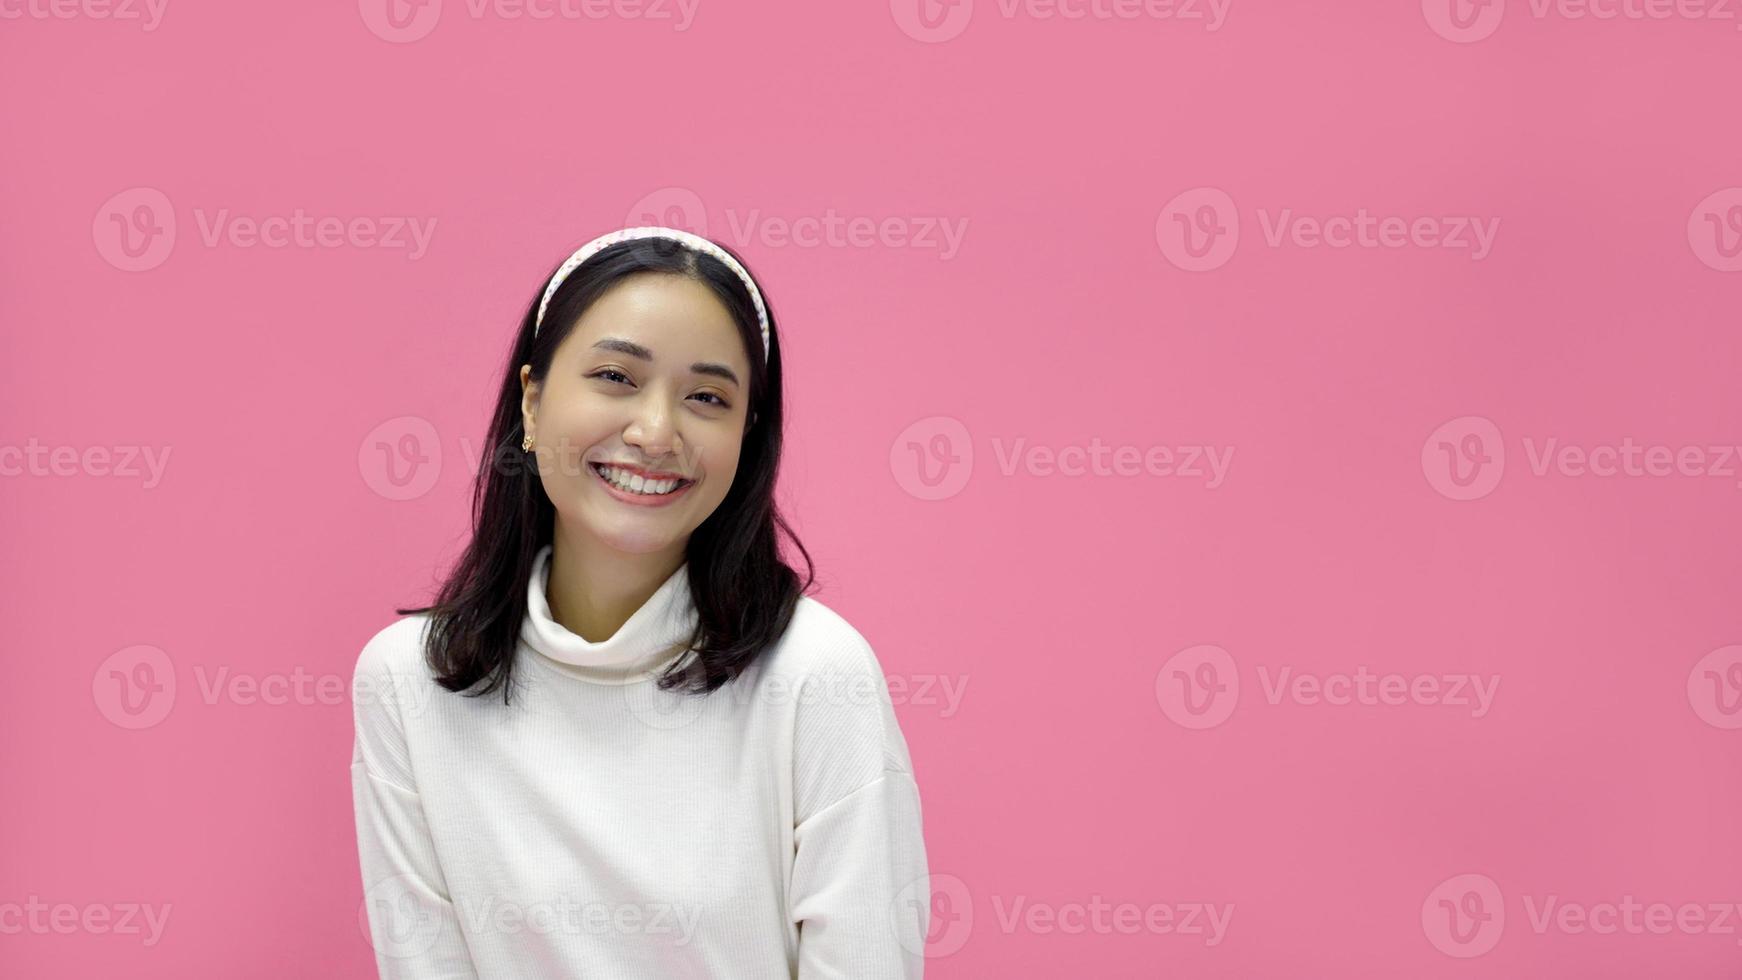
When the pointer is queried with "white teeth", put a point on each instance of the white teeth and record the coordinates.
(636, 483)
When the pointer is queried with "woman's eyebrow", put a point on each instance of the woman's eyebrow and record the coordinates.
(635, 350)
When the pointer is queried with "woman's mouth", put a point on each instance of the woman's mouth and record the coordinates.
(634, 488)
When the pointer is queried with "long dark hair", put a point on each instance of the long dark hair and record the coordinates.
(744, 593)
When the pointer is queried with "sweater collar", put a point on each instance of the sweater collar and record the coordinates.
(648, 642)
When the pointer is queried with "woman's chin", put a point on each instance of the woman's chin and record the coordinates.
(632, 536)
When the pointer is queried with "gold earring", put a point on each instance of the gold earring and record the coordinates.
(526, 444)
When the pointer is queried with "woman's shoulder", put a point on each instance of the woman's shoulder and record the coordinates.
(845, 733)
(819, 640)
(395, 651)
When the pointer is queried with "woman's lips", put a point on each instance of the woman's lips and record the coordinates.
(639, 499)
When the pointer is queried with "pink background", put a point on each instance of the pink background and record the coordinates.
(1076, 766)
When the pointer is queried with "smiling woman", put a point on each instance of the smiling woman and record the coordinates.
(608, 815)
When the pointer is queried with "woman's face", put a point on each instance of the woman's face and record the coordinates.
(654, 379)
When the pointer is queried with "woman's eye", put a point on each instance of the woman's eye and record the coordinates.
(618, 377)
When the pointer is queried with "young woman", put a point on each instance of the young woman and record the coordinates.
(623, 742)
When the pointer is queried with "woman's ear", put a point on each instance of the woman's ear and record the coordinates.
(529, 391)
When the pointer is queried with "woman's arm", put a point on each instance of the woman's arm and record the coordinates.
(859, 893)
(412, 922)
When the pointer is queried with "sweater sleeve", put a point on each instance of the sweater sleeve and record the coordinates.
(412, 923)
(859, 893)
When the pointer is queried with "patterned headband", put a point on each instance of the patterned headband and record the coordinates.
(695, 242)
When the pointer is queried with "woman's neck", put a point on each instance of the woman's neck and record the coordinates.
(593, 590)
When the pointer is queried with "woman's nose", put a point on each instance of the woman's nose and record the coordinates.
(653, 429)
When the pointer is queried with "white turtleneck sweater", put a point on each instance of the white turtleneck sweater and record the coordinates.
(598, 827)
